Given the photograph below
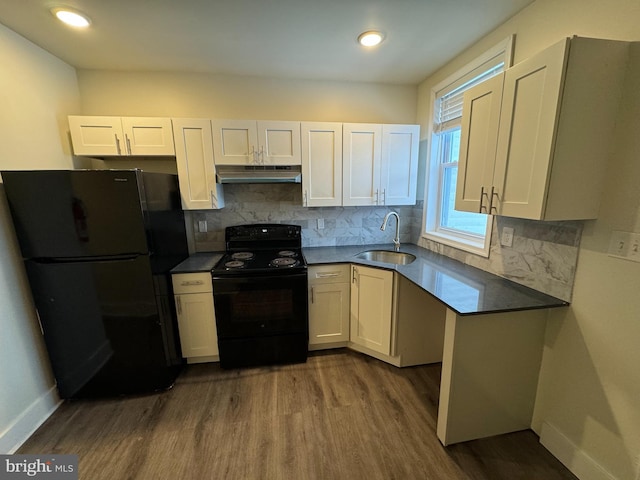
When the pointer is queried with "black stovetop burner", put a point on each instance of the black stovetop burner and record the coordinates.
(260, 260)
(261, 248)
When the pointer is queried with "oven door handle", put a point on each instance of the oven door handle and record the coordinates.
(226, 284)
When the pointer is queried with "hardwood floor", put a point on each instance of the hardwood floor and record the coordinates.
(342, 415)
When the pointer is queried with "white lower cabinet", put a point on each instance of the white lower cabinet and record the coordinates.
(329, 297)
(371, 308)
(196, 316)
(375, 312)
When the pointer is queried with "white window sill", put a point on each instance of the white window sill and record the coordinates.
(477, 247)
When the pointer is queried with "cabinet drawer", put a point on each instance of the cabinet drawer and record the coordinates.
(192, 282)
(335, 273)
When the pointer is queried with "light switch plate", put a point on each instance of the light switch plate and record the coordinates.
(202, 226)
(320, 223)
(506, 239)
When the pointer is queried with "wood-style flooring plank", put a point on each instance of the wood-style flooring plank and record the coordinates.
(340, 415)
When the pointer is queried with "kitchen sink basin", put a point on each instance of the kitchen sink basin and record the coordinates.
(386, 256)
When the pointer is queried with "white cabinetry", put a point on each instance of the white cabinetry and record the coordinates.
(250, 142)
(399, 167)
(490, 371)
(329, 294)
(196, 168)
(371, 308)
(121, 136)
(321, 164)
(554, 130)
(380, 164)
(196, 318)
(478, 143)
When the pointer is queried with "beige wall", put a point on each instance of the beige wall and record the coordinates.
(214, 96)
(37, 91)
(588, 406)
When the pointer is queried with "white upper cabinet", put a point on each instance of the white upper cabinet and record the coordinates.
(121, 136)
(380, 164)
(196, 168)
(362, 154)
(250, 142)
(279, 143)
(554, 131)
(321, 164)
(399, 167)
(478, 143)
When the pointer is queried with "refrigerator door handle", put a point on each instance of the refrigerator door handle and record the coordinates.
(39, 322)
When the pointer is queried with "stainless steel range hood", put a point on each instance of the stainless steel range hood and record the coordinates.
(258, 174)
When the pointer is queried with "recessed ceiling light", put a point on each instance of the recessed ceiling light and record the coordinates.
(71, 17)
(370, 39)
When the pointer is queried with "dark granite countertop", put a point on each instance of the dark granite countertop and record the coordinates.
(198, 262)
(462, 288)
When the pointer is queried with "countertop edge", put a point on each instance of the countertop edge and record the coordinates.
(423, 273)
(502, 287)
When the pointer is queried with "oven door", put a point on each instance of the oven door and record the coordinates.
(260, 305)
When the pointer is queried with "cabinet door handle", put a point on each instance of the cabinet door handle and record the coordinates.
(384, 196)
(305, 202)
(128, 143)
(482, 194)
(178, 305)
(491, 207)
(118, 144)
(376, 197)
(353, 277)
(252, 153)
(214, 200)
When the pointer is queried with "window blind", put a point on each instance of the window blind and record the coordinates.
(448, 111)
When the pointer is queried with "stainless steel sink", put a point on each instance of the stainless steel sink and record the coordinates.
(386, 256)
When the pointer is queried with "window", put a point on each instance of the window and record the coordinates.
(442, 223)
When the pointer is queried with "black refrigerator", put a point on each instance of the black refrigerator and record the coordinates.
(98, 246)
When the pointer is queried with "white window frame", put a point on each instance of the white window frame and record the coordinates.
(431, 229)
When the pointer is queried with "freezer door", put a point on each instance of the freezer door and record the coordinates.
(82, 213)
(102, 326)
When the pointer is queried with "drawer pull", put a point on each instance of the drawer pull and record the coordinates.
(191, 282)
(327, 275)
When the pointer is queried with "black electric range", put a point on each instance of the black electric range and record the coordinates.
(260, 296)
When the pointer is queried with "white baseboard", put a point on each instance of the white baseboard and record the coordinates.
(29, 420)
(581, 465)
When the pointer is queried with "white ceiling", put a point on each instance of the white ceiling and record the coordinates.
(312, 39)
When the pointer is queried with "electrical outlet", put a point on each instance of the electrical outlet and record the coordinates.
(506, 239)
(634, 247)
(619, 244)
(202, 226)
(320, 223)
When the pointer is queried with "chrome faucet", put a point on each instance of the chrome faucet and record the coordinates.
(396, 240)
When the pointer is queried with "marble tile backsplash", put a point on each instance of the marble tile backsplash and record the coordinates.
(543, 255)
(282, 203)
